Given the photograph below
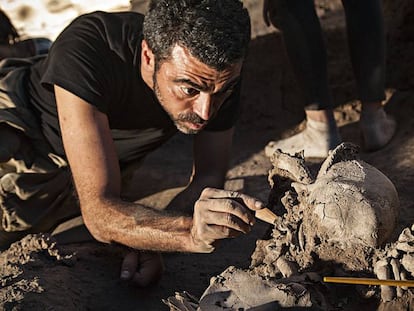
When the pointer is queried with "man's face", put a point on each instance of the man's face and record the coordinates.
(190, 91)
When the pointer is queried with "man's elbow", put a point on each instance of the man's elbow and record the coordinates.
(97, 224)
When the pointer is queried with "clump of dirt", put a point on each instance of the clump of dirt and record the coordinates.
(24, 267)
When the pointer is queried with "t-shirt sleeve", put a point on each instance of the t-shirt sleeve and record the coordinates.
(229, 112)
(78, 62)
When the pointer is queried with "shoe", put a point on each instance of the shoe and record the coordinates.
(316, 140)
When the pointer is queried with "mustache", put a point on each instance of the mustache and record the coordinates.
(191, 117)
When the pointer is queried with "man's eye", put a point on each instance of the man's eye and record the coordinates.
(189, 91)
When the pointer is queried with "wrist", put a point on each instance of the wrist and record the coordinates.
(197, 244)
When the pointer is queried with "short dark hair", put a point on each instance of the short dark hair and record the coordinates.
(216, 32)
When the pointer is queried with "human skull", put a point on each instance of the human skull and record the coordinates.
(350, 202)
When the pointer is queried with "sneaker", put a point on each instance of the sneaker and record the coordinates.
(316, 140)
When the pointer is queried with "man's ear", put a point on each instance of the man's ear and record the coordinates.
(147, 57)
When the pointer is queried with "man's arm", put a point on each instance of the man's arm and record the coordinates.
(211, 152)
(94, 164)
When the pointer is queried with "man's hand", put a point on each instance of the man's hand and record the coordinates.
(142, 268)
(220, 214)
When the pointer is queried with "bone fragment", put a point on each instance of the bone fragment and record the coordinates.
(383, 273)
(395, 265)
(286, 267)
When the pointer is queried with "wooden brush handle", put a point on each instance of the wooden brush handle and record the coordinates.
(266, 215)
(367, 281)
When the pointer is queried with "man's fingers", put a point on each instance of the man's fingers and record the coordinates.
(143, 268)
(227, 209)
(220, 214)
(150, 270)
(129, 266)
(236, 221)
(217, 232)
(248, 201)
(214, 233)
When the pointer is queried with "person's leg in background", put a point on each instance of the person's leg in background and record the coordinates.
(305, 47)
(366, 39)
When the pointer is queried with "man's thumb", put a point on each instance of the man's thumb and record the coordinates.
(129, 265)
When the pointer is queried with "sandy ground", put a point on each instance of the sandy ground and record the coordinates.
(36, 274)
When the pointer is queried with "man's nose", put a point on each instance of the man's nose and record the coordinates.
(203, 106)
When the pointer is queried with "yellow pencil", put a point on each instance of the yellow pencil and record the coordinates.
(368, 281)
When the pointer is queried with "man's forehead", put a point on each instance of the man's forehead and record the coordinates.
(188, 65)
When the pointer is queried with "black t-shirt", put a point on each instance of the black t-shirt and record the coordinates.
(97, 57)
